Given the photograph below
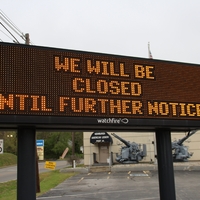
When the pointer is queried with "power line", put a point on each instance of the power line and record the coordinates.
(8, 24)
(10, 33)
(6, 35)
(11, 25)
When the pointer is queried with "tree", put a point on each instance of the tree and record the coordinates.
(10, 141)
(78, 142)
(56, 142)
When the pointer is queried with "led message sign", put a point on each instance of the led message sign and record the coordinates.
(38, 81)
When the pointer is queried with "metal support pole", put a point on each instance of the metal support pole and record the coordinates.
(26, 167)
(165, 164)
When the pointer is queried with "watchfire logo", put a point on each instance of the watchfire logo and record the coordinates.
(112, 121)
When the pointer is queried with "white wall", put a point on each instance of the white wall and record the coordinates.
(147, 138)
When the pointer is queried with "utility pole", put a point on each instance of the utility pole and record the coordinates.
(37, 181)
(73, 150)
(73, 144)
(27, 38)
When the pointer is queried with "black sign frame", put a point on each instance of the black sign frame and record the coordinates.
(171, 112)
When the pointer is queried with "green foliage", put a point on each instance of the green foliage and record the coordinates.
(76, 157)
(7, 159)
(56, 142)
(78, 142)
(10, 141)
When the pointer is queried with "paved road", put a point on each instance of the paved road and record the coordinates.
(141, 185)
(10, 173)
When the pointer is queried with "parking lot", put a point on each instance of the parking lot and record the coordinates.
(136, 185)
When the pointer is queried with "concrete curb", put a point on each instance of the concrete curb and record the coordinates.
(186, 166)
(74, 170)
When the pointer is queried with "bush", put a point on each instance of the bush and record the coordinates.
(76, 157)
(7, 159)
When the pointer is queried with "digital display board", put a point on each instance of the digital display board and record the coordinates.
(40, 81)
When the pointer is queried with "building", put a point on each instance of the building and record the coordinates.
(103, 147)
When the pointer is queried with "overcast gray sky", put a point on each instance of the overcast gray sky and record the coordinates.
(122, 27)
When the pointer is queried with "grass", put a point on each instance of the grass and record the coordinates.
(48, 180)
(51, 179)
(7, 159)
(8, 190)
